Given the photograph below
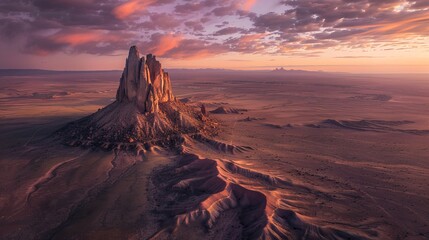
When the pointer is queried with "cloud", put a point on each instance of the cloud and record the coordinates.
(196, 26)
(74, 39)
(189, 7)
(77, 41)
(344, 22)
(61, 4)
(224, 11)
(228, 31)
(195, 49)
(161, 44)
(175, 46)
(183, 28)
(161, 21)
(130, 7)
(250, 43)
(248, 4)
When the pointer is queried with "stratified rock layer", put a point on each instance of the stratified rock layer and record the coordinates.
(145, 112)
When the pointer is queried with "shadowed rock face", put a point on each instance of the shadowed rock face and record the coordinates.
(144, 82)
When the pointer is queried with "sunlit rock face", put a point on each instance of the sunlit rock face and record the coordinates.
(144, 82)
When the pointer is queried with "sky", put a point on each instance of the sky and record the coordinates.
(381, 36)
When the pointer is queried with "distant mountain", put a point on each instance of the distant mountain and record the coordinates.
(279, 70)
(293, 71)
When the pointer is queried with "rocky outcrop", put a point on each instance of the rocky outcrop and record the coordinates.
(227, 110)
(144, 82)
(145, 112)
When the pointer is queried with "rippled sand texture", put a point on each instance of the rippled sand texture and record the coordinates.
(299, 156)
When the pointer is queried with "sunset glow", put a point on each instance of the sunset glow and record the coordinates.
(239, 34)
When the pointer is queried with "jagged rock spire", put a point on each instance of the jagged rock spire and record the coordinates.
(144, 82)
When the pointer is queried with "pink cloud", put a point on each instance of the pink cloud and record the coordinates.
(128, 8)
(248, 4)
(165, 43)
(79, 37)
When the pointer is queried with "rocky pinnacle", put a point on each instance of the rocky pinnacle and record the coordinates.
(144, 82)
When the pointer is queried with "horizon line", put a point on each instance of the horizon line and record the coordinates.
(226, 69)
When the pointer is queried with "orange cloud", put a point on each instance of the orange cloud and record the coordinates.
(248, 4)
(82, 38)
(253, 40)
(400, 28)
(77, 38)
(166, 43)
(128, 8)
(251, 37)
(249, 43)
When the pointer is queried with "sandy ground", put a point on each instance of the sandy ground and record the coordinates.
(308, 155)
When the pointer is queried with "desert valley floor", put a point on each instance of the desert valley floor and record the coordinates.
(299, 155)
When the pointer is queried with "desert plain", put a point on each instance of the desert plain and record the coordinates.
(297, 155)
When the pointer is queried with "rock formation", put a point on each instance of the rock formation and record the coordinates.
(144, 82)
(227, 110)
(145, 112)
